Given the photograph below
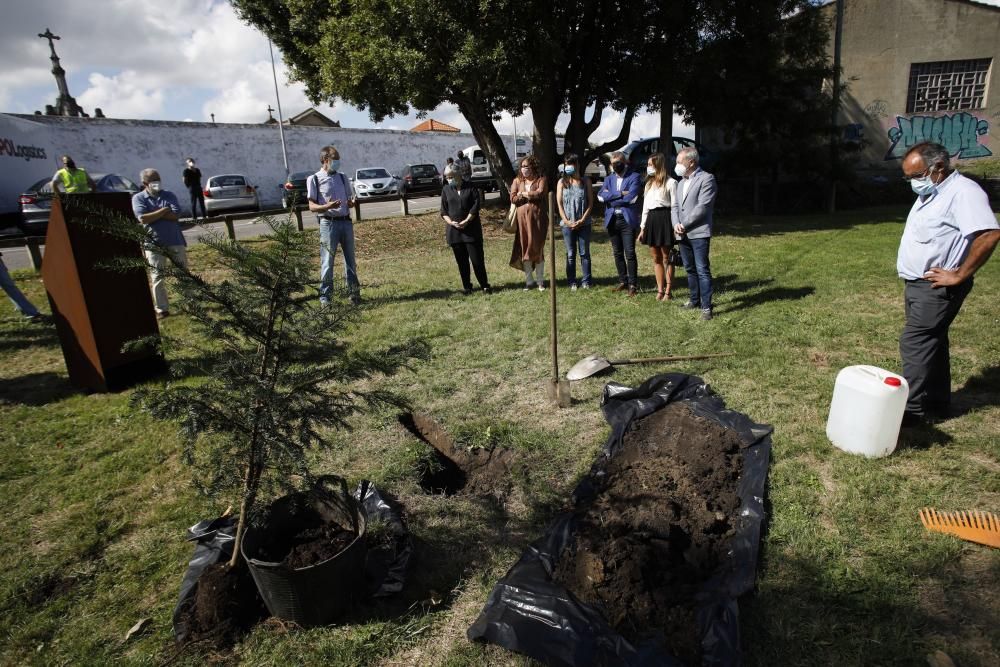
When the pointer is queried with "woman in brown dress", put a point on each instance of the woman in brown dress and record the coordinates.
(530, 194)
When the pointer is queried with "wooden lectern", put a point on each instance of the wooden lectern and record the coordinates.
(98, 309)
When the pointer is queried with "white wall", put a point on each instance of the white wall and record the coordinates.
(126, 147)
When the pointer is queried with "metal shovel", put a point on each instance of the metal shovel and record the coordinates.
(595, 363)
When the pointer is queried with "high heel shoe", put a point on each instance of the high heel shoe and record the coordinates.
(667, 296)
(659, 295)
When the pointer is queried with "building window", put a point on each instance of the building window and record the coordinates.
(948, 86)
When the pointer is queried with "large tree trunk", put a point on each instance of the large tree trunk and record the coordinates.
(545, 112)
(667, 126)
(490, 143)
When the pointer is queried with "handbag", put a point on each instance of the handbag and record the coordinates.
(675, 258)
(510, 224)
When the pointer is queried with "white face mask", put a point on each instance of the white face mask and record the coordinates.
(651, 171)
(680, 169)
(154, 187)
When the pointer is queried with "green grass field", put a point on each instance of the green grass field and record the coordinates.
(96, 500)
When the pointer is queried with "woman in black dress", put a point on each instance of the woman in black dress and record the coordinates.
(463, 232)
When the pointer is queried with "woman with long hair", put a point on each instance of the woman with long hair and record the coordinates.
(575, 199)
(655, 229)
(529, 193)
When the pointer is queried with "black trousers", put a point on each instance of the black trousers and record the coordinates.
(471, 251)
(923, 345)
(197, 196)
(622, 237)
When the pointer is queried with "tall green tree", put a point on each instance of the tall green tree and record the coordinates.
(760, 79)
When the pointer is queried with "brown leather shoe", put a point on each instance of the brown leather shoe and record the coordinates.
(620, 288)
(631, 291)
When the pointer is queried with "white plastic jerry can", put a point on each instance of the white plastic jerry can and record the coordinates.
(867, 410)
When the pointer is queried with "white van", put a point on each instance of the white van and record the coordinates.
(482, 175)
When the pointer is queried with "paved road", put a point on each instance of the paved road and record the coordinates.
(17, 258)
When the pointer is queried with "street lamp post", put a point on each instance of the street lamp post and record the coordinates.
(281, 122)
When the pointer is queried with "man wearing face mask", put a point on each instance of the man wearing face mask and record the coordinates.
(158, 209)
(691, 214)
(620, 193)
(950, 232)
(331, 197)
(192, 180)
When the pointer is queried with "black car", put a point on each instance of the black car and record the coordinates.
(637, 153)
(419, 178)
(294, 189)
(36, 201)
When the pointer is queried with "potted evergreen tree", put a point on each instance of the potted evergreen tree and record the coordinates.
(277, 372)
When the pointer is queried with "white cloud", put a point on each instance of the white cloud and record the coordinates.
(125, 93)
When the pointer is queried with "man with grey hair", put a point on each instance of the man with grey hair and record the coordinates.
(691, 214)
(950, 232)
(158, 209)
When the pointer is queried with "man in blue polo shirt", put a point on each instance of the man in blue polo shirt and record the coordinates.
(158, 209)
(949, 234)
(331, 197)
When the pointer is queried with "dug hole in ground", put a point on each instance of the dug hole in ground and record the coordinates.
(661, 540)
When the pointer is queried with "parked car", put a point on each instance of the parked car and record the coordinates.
(419, 178)
(374, 182)
(482, 175)
(36, 201)
(595, 171)
(294, 189)
(228, 192)
(637, 153)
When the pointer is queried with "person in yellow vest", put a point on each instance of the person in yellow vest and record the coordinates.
(71, 179)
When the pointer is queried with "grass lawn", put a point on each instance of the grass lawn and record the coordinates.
(96, 499)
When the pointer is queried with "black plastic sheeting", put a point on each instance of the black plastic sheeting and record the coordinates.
(528, 613)
(385, 567)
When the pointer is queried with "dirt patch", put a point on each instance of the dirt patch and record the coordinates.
(226, 605)
(316, 544)
(452, 469)
(658, 529)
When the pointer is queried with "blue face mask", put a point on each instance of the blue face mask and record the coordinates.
(334, 166)
(923, 186)
(570, 170)
(455, 181)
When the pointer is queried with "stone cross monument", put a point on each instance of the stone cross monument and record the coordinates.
(65, 104)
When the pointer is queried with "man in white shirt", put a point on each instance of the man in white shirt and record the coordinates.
(950, 232)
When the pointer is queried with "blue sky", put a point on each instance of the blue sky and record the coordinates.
(182, 60)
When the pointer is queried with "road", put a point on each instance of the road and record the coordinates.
(17, 258)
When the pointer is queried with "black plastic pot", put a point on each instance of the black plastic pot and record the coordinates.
(318, 594)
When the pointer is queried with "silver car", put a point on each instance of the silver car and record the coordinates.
(374, 182)
(228, 192)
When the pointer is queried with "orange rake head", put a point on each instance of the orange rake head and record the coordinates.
(981, 527)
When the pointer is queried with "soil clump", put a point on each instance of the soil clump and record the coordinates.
(658, 528)
(226, 605)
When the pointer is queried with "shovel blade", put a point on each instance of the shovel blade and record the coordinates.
(587, 366)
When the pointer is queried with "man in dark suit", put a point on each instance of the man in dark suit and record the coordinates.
(620, 195)
(691, 215)
(192, 181)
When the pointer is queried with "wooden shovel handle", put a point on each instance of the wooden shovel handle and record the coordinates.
(648, 360)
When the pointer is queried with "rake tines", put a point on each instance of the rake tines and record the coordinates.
(975, 526)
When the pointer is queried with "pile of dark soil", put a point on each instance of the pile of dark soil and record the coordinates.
(658, 528)
(226, 605)
(456, 470)
(316, 544)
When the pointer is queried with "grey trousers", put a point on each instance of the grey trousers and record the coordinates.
(923, 345)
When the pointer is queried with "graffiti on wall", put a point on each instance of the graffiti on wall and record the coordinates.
(959, 133)
(877, 109)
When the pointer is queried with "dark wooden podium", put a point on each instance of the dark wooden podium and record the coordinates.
(97, 310)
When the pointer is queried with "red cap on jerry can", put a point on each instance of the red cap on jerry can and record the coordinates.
(893, 382)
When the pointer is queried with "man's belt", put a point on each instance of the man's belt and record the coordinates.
(330, 217)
